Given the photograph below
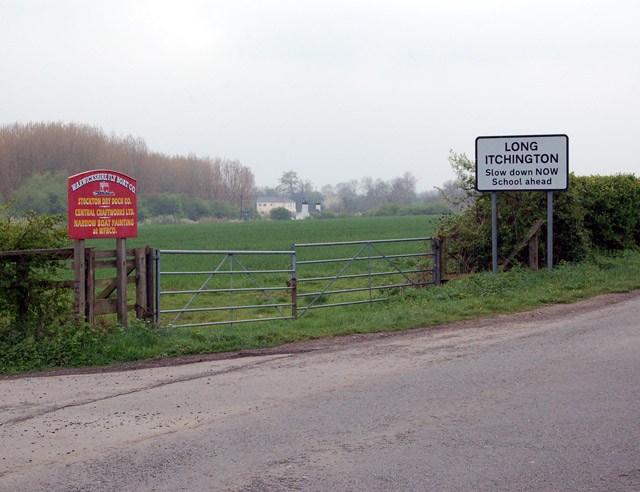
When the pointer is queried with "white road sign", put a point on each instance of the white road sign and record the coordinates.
(522, 163)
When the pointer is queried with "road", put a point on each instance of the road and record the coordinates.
(547, 400)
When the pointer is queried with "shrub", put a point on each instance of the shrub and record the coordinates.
(280, 213)
(35, 346)
(612, 210)
(27, 293)
(164, 204)
(195, 207)
(223, 210)
(330, 214)
(153, 206)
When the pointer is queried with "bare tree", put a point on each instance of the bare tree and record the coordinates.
(38, 148)
(403, 189)
(238, 180)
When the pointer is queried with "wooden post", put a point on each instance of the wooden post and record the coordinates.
(437, 261)
(533, 251)
(141, 284)
(121, 281)
(79, 285)
(527, 240)
(90, 309)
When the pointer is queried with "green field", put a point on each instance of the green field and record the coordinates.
(275, 235)
(278, 236)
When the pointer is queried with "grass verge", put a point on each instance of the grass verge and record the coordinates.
(474, 296)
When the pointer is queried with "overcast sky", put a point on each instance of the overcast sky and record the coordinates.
(335, 90)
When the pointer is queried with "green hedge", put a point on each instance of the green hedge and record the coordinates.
(612, 210)
(596, 212)
(27, 294)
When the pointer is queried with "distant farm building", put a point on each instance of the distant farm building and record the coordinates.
(265, 204)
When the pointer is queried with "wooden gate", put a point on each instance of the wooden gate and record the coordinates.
(93, 292)
(99, 299)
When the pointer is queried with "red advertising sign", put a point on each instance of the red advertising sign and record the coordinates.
(102, 204)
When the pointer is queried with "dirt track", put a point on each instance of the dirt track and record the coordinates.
(325, 409)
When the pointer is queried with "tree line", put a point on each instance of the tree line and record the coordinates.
(36, 159)
(40, 148)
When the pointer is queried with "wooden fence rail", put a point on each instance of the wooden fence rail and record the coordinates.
(530, 239)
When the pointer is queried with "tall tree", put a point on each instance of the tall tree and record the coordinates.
(238, 180)
(288, 183)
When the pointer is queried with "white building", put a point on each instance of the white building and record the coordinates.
(304, 213)
(264, 204)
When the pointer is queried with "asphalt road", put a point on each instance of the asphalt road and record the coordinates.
(547, 400)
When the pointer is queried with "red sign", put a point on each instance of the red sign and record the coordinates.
(102, 204)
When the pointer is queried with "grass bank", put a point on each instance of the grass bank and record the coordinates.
(474, 296)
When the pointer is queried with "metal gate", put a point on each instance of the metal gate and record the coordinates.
(197, 288)
(360, 278)
(251, 282)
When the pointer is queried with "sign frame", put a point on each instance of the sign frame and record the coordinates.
(522, 163)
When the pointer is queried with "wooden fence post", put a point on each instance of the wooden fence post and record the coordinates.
(141, 283)
(527, 241)
(79, 285)
(121, 281)
(533, 252)
(437, 261)
(90, 281)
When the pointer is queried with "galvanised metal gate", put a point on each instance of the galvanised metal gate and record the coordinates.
(360, 278)
(273, 285)
(259, 284)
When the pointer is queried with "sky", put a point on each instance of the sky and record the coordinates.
(333, 89)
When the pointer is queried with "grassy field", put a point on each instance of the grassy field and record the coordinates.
(275, 235)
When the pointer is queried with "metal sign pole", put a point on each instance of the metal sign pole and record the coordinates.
(550, 230)
(494, 231)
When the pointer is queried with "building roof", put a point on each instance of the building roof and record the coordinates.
(274, 199)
